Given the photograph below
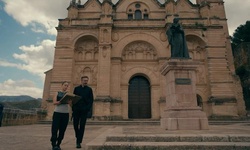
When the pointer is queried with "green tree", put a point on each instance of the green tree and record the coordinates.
(241, 34)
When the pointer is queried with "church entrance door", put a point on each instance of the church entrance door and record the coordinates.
(139, 98)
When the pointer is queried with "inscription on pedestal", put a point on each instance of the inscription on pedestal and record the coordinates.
(183, 81)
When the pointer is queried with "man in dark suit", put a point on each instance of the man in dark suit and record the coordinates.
(81, 109)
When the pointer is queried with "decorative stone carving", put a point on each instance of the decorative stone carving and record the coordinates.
(156, 68)
(106, 9)
(105, 36)
(124, 68)
(139, 50)
(200, 75)
(94, 78)
(104, 51)
(86, 50)
(115, 36)
(89, 71)
(163, 37)
(196, 47)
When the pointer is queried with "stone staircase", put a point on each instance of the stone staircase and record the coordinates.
(122, 123)
(148, 122)
(147, 135)
(172, 142)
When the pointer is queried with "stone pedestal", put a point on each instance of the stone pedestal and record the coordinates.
(182, 112)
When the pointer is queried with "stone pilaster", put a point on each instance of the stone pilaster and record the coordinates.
(103, 86)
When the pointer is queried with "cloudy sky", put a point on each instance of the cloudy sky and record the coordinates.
(27, 33)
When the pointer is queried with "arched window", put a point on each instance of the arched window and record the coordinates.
(138, 14)
(138, 11)
(130, 16)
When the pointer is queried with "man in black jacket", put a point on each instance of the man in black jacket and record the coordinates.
(81, 109)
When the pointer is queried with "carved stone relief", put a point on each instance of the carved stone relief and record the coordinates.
(86, 50)
(163, 36)
(115, 36)
(139, 50)
(132, 69)
(201, 75)
(82, 70)
(107, 9)
(104, 51)
(196, 48)
(105, 36)
(124, 68)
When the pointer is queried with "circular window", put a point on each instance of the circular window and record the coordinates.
(137, 5)
(130, 10)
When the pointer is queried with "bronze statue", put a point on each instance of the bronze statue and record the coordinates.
(177, 40)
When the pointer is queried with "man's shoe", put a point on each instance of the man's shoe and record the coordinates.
(58, 147)
(78, 145)
(55, 148)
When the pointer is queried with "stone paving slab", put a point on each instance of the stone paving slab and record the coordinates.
(30, 137)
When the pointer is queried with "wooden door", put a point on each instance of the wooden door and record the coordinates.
(139, 98)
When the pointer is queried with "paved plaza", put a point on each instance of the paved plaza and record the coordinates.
(36, 137)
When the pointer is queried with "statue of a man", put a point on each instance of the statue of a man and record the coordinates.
(177, 40)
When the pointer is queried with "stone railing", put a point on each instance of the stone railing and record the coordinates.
(22, 117)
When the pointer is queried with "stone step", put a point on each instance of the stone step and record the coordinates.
(91, 122)
(178, 138)
(171, 146)
(149, 138)
(123, 122)
(226, 122)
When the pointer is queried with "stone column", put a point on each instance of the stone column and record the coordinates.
(181, 110)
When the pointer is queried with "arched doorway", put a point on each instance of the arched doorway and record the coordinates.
(199, 101)
(139, 98)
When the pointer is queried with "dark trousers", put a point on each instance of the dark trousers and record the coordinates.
(59, 124)
(79, 122)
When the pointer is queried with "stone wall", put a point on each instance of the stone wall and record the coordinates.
(21, 117)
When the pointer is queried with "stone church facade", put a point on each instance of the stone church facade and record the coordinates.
(121, 48)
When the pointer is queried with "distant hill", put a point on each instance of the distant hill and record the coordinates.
(23, 105)
(17, 98)
(23, 102)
